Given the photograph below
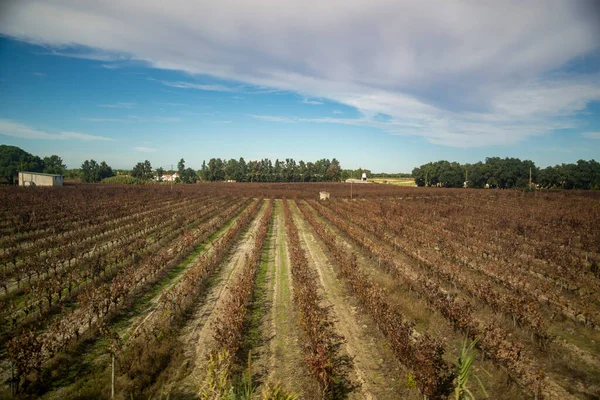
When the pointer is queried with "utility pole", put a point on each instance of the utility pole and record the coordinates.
(529, 177)
(112, 378)
(466, 178)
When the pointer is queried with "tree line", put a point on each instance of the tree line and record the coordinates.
(506, 173)
(495, 172)
(265, 170)
(288, 170)
(13, 159)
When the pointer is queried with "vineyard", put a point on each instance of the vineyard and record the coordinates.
(217, 291)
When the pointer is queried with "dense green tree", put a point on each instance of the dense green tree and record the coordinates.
(582, 175)
(278, 171)
(310, 171)
(14, 159)
(216, 170)
(509, 173)
(290, 170)
(188, 175)
(142, 170)
(425, 175)
(231, 167)
(254, 171)
(91, 171)
(265, 170)
(180, 166)
(88, 171)
(54, 165)
(105, 171)
(242, 170)
(204, 172)
(475, 174)
(333, 172)
(449, 174)
(74, 173)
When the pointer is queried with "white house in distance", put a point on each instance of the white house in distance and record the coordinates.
(39, 179)
(363, 179)
(170, 178)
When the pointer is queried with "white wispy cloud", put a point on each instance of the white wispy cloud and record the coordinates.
(313, 102)
(94, 54)
(337, 112)
(193, 113)
(328, 120)
(468, 73)
(591, 135)
(110, 66)
(79, 136)
(118, 105)
(444, 132)
(106, 120)
(144, 149)
(39, 74)
(18, 130)
(173, 104)
(133, 119)
(197, 86)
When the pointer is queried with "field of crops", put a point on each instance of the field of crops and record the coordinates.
(259, 290)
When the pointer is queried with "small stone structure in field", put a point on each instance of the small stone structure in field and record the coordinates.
(39, 179)
(324, 195)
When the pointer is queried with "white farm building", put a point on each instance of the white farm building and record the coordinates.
(39, 179)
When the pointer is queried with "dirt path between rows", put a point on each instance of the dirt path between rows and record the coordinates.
(375, 368)
(205, 248)
(281, 358)
(197, 336)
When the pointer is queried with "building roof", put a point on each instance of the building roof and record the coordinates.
(38, 173)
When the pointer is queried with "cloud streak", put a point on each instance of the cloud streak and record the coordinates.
(197, 86)
(313, 102)
(144, 149)
(118, 105)
(22, 131)
(133, 119)
(467, 73)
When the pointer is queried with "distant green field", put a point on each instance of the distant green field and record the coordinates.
(394, 181)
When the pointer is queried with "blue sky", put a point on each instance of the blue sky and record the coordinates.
(386, 87)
